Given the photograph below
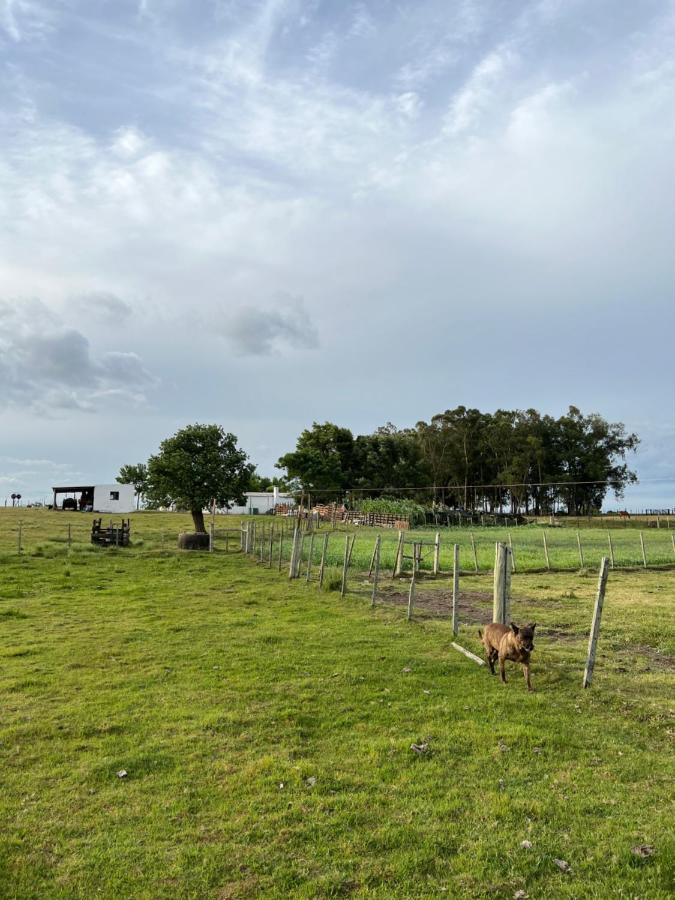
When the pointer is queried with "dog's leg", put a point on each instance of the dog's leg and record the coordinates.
(490, 657)
(502, 669)
(526, 673)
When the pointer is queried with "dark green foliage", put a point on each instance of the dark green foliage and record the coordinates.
(509, 460)
(199, 464)
(136, 475)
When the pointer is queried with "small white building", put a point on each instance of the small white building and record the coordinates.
(261, 502)
(104, 498)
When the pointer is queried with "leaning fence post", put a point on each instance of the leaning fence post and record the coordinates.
(455, 587)
(322, 564)
(502, 584)
(411, 596)
(548, 561)
(513, 558)
(672, 541)
(644, 555)
(611, 547)
(437, 553)
(473, 547)
(581, 552)
(595, 626)
(294, 545)
(398, 560)
(211, 537)
(376, 571)
(372, 558)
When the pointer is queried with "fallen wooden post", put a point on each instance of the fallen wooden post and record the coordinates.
(469, 654)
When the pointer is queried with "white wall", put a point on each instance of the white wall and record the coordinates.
(260, 501)
(104, 503)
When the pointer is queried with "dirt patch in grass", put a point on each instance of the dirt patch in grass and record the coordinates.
(475, 607)
(656, 660)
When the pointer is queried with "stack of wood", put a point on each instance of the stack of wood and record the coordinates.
(112, 535)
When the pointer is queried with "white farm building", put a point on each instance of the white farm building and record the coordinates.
(104, 498)
(261, 502)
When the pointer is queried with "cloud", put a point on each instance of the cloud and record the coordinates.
(45, 364)
(25, 20)
(259, 331)
(442, 180)
(475, 96)
(102, 305)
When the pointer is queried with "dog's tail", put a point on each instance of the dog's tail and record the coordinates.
(480, 634)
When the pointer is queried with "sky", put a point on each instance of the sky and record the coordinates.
(263, 213)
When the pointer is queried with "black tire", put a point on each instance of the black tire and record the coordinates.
(193, 540)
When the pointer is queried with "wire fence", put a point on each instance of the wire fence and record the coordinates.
(534, 548)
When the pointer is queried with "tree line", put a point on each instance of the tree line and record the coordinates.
(515, 460)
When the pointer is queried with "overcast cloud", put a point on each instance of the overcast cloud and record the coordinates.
(269, 212)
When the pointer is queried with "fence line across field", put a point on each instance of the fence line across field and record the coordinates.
(428, 553)
(502, 572)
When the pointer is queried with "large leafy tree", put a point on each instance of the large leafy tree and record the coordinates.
(323, 460)
(136, 475)
(199, 464)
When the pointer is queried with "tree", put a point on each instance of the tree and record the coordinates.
(136, 475)
(199, 464)
(323, 460)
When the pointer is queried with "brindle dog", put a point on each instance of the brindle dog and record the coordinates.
(503, 642)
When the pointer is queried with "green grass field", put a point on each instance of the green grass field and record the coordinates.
(266, 727)
(45, 533)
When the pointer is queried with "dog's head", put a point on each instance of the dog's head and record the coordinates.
(524, 636)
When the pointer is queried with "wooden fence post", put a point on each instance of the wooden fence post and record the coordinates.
(211, 536)
(644, 555)
(672, 541)
(269, 564)
(376, 571)
(411, 596)
(301, 547)
(595, 625)
(437, 553)
(611, 548)
(473, 547)
(309, 558)
(398, 561)
(323, 558)
(281, 546)
(502, 584)
(18, 540)
(581, 552)
(372, 558)
(348, 555)
(455, 587)
(294, 550)
(548, 561)
(513, 558)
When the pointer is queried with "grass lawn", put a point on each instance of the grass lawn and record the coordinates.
(266, 727)
(46, 533)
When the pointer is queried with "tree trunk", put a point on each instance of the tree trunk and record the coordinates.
(198, 519)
